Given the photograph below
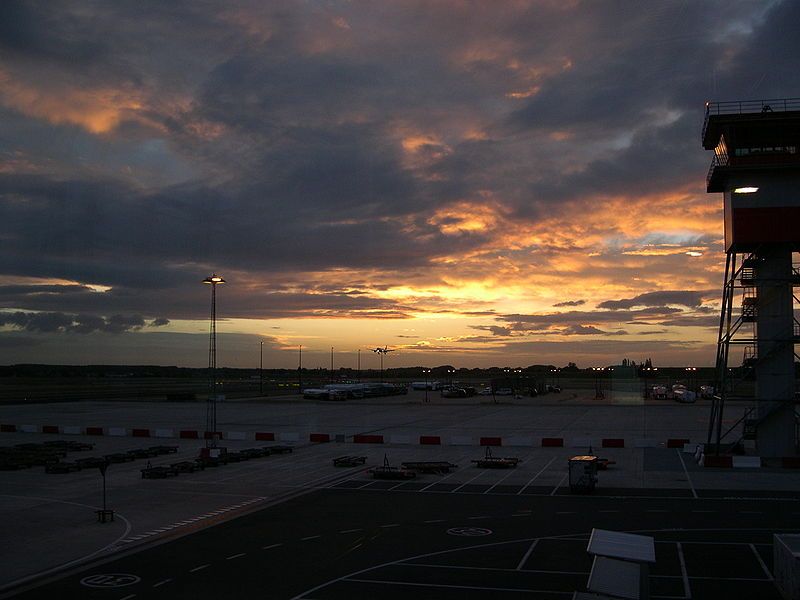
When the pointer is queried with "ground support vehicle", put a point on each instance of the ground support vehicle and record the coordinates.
(437, 467)
(61, 467)
(119, 457)
(159, 472)
(582, 473)
(142, 453)
(279, 449)
(255, 452)
(495, 462)
(91, 462)
(604, 463)
(349, 461)
(389, 472)
(164, 449)
(187, 466)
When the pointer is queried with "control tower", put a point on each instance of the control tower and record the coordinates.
(756, 166)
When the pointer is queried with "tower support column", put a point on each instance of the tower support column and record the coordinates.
(774, 368)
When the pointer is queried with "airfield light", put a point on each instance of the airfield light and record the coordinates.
(745, 190)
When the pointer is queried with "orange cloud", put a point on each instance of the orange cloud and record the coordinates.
(97, 110)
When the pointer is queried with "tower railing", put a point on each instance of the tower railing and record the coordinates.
(740, 107)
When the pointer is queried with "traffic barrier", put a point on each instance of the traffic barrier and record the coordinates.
(189, 434)
(210, 435)
(94, 431)
(319, 438)
(677, 442)
(461, 440)
(289, 437)
(747, 462)
(491, 441)
(519, 440)
(49, 428)
(580, 442)
(262, 436)
(613, 443)
(552, 442)
(140, 432)
(400, 439)
(367, 439)
(71, 430)
(235, 435)
(29, 428)
(790, 462)
(5, 428)
(645, 443)
(165, 433)
(117, 431)
(717, 461)
(430, 440)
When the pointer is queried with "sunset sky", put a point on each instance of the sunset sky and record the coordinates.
(469, 183)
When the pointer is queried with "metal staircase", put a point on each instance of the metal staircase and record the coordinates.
(738, 383)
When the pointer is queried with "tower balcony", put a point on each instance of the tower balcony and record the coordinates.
(721, 114)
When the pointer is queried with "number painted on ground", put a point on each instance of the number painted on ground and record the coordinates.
(469, 531)
(110, 580)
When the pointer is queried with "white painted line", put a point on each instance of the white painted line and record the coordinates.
(271, 546)
(457, 461)
(686, 472)
(350, 530)
(128, 597)
(501, 569)
(160, 583)
(200, 568)
(521, 515)
(687, 591)
(761, 562)
(456, 587)
(241, 554)
(469, 481)
(527, 555)
(502, 479)
(434, 521)
(474, 518)
(608, 511)
(560, 483)
(390, 525)
(565, 512)
(704, 511)
(537, 475)
(311, 537)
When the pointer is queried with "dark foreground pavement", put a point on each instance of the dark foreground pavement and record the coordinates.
(343, 543)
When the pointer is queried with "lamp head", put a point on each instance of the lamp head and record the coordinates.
(214, 280)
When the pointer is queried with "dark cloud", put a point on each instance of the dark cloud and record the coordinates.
(582, 330)
(684, 298)
(494, 329)
(570, 303)
(57, 322)
(313, 153)
(576, 317)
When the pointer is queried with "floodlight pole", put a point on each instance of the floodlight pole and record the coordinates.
(300, 371)
(211, 406)
(261, 369)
